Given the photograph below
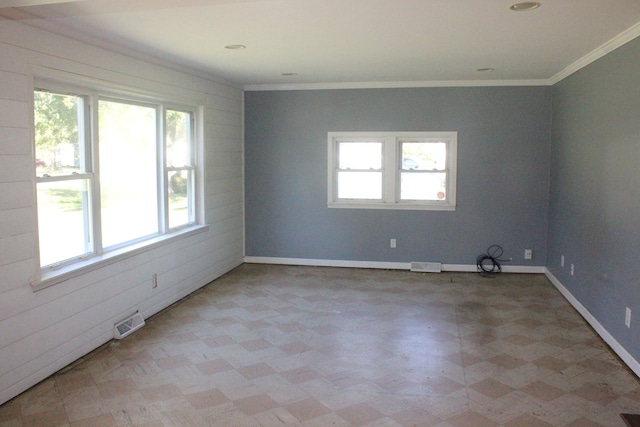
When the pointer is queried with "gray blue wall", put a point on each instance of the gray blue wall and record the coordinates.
(503, 174)
(594, 214)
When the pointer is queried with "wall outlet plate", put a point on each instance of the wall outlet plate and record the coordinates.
(627, 317)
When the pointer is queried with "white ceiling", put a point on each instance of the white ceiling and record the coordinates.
(351, 43)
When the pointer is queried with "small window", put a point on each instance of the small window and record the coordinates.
(392, 170)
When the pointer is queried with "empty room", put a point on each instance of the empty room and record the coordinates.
(319, 213)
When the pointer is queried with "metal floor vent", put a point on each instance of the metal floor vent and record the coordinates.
(426, 267)
(128, 326)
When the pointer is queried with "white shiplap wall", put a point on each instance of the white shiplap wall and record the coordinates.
(41, 332)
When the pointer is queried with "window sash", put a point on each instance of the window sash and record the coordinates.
(427, 170)
(65, 229)
(353, 172)
(179, 170)
(128, 168)
(179, 193)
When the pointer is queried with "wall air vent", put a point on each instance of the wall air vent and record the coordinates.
(128, 326)
(426, 267)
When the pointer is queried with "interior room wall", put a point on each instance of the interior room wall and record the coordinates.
(503, 174)
(594, 214)
(553, 169)
(43, 331)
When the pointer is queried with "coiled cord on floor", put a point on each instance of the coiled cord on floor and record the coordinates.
(489, 263)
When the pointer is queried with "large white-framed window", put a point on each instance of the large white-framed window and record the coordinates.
(392, 170)
(112, 172)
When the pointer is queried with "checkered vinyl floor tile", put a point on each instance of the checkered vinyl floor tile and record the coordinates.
(304, 346)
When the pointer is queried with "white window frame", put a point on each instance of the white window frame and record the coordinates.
(98, 255)
(391, 169)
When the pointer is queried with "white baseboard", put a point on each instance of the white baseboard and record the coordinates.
(632, 363)
(327, 263)
(462, 268)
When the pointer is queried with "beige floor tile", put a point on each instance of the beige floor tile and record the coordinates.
(305, 346)
(471, 418)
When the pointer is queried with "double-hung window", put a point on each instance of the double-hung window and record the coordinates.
(111, 172)
(392, 170)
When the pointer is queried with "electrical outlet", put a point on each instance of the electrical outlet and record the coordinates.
(562, 261)
(627, 317)
(528, 254)
(392, 243)
(572, 269)
(154, 280)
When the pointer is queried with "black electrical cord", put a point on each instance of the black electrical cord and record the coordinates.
(489, 263)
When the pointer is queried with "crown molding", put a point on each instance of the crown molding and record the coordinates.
(619, 40)
(392, 85)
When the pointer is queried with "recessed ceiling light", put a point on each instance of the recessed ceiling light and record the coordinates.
(524, 6)
(289, 74)
(235, 46)
(485, 70)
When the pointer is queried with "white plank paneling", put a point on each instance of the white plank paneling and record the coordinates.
(14, 86)
(16, 248)
(15, 141)
(14, 113)
(16, 168)
(14, 222)
(43, 331)
(225, 132)
(224, 158)
(13, 59)
(16, 194)
(226, 144)
(15, 275)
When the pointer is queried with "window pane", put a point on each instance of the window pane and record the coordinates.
(424, 155)
(178, 138)
(180, 184)
(423, 186)
(63, 220)
(360, 155)
(58, 133)
(360, 185)
(128, 172)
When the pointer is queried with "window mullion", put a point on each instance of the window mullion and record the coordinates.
(162, 187)
(192, 159)
(390, 170)
(85, 135)
(92, 162)
(335, 162)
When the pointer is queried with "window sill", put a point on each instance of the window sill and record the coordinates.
(55, 276)
(393, 206)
